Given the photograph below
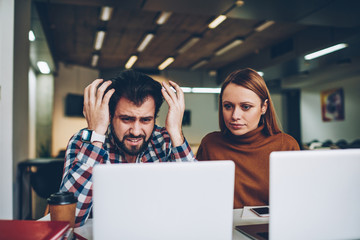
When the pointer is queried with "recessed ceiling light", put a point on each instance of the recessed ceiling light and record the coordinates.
(94, 60)
(166, 63)
(325, 51)
(131, 61)
(164, 16)
(191, 42)
(216, 22)
(145, 42)
(105, 13)
(206, 90)
(199, 64)
(99, 39)
(233, 44)
(264, 25)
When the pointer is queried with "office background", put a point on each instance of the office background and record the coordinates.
(32, 105)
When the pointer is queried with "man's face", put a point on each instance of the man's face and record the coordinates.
(133, 125)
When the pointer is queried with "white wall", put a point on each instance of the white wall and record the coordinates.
(6, 105)
(71, 79)
(20, 88)
(32, 113)
(44, 104)
(311, 122)
(204, 116)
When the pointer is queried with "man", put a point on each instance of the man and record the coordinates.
(120, 114)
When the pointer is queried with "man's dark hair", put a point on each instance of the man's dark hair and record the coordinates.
(136, 87)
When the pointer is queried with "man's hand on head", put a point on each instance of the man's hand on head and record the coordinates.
(96, 105)
(176, 103)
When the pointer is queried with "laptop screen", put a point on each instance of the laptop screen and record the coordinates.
(164, 200)
(315, 194)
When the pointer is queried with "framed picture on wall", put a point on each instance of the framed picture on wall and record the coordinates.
(332, 105)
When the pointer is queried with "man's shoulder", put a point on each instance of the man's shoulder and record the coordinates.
(159, 131)
(78, 134)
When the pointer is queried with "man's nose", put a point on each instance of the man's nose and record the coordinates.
(135, 128)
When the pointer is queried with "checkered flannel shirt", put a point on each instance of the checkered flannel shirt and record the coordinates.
(81, 157)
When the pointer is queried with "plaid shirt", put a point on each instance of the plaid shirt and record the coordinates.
(81, 157)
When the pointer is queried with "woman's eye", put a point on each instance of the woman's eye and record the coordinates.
(246, 107)
(227, 106)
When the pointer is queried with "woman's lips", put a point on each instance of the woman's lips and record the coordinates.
(237, 125)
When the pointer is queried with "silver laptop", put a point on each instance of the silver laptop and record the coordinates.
(315, 194)
(163, 200)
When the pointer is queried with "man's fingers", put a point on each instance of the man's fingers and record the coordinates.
(91, 91)
(172, 91)
(100, 92)
(168, 93)
(179, 91)
(107, 96)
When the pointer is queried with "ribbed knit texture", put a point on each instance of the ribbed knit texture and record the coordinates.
(250, 152)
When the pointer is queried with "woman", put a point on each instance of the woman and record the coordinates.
(249, 133)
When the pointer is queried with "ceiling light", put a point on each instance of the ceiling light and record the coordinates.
(166, 63)
(206, 90)
(186, 89)
(260, 73)
(31, 36)
(217, 21)
(264, 25)
(212, 73)
(43, 67)
(99, 39)
(192, 41)
(94, 60)
(233, 44)
(164, 16)
(105, 13)
(199, 64)
(131, 61)
(239, 3)
(325, 51)
(145, 42)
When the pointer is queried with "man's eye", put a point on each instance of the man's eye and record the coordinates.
(145, 120)
(125, 119)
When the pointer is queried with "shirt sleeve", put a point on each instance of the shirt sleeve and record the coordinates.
(80, 159)
(182, 153)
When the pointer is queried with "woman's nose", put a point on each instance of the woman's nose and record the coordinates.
(237, 113)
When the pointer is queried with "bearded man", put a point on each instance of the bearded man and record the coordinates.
(121, 114)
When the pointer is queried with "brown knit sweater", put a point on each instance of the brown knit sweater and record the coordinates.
(250, 152)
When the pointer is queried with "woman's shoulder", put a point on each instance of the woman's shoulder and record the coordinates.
(287, 140)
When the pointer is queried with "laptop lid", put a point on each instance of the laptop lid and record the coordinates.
(163, 200)
(315, 194)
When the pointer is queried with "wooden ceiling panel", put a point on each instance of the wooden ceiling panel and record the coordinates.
(71, 25)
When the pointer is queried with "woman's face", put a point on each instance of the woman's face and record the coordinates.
(241, 109)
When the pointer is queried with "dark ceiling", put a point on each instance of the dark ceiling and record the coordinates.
(70, 27)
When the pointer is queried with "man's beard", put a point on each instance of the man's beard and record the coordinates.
(133, 150)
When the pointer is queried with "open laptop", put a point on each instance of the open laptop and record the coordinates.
(163, 200)
(313, 195)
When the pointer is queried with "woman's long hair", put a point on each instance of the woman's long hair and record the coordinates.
(250, 79)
